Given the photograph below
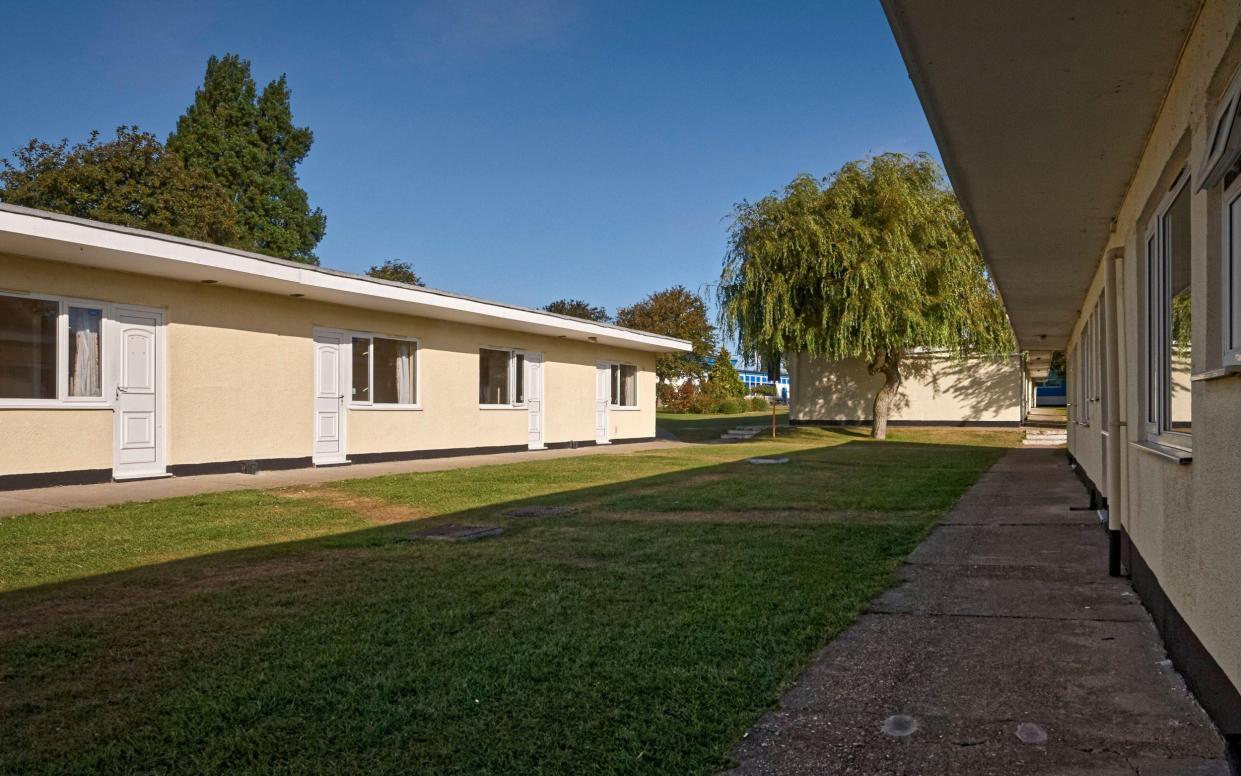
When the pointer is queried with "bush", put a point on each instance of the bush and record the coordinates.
(758, 403)
(731, 406)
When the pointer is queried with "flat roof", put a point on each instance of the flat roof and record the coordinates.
(45, 235)
(1041, 111)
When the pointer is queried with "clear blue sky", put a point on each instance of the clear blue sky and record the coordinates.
(520, 151)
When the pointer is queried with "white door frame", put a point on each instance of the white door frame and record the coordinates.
(115, 348)
(343, 359)
(603, 399)
(535, 394)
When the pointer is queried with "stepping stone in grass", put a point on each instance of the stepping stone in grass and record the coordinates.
(762, 461)
(537, 511)
(454, 532)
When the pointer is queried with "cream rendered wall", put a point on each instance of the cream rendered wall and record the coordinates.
(240, 379)
(1184, 518)
(36, 441)
(934, 389)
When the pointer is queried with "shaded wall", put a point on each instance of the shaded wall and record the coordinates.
(935, 389)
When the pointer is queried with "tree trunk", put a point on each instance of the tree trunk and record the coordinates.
(889, 364)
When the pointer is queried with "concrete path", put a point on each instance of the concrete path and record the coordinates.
(20, 502)
(1004, 649)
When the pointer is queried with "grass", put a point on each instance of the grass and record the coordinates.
(704, 428)
(302, 631)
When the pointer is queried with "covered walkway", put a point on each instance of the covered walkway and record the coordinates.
(1003, 649)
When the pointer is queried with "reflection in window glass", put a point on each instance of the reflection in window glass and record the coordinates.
(28, 348)
(1178, 332)
(85, 363)
(493, 385)
(361, 385)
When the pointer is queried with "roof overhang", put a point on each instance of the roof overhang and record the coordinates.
(1041, 112)
(43, 235)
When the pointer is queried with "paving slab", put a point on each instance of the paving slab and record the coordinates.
(1003, 648)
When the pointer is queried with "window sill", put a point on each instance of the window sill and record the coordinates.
(1173, 454)
(53, 404)
(1231, 370)
(386, 407)
(619, 408)
(501, 406)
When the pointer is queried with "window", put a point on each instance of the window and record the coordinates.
(51, 351)
(1169, 306)
(624, 385)
(501, 377)
(1232, 265)
(1225, 144)
(1221, 166)
(85, 353)
(385, 371)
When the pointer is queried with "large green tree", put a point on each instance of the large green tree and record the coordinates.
(131, 180)
(400, 271)
(578, 308)
(873, 262)
(674, 312)
(246, 142)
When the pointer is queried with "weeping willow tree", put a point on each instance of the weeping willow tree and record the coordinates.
(874, 262)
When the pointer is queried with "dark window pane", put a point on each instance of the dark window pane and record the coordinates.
(520, 379)
(394, 371)
(28, 348)
(493, 376)
(361, 369)
(629, 385)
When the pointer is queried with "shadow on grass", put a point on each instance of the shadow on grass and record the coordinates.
(704, 428)
(587, 642)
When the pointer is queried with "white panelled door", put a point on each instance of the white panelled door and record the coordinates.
(534, 399)
(329, 397)
(603, 397)
(138, 430)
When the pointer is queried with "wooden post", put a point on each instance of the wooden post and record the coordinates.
(773, 417)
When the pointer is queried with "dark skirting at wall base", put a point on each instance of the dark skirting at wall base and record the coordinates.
(1205, 678)
(958, 423)
(455, 452)
(54, 479)
(254, 466)
(576, 443)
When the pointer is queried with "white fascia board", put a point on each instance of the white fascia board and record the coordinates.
(27, 232)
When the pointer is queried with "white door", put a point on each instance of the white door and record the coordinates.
(534, 399)
(329, 397)
(603, 397)
(138, 426)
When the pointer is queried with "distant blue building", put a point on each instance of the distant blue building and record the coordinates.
(753, 378)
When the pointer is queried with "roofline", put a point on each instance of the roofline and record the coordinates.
(182, 252)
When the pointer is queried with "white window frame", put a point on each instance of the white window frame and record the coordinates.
(513, 355)
(1231, 281)
(1157, 322)
(1224, 138)
(63, 400)
(370, 404)
(614, 385)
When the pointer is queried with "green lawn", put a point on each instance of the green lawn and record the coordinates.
(304, 632)
(704, 428)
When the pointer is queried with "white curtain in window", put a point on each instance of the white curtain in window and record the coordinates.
(84, 367)
(404, 375)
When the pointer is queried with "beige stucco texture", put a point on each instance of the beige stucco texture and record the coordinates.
(240, 373)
